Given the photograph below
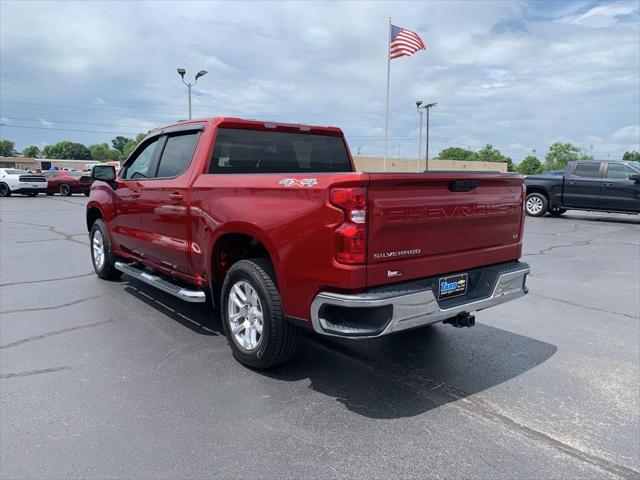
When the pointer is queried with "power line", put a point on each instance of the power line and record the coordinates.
(63, 129)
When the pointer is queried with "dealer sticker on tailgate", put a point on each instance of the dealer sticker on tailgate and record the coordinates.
(452, 286)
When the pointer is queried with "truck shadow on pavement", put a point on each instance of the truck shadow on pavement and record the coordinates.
(410, 373)
(401, 375)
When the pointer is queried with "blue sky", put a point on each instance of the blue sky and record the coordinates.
(519, 75)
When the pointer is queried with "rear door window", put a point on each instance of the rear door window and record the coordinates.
(261, 151)
(177, 154)
(587, 170)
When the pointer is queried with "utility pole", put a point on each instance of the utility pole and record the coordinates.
(181, 72)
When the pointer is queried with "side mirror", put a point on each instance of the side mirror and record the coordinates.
(635, 177)
(105, 173)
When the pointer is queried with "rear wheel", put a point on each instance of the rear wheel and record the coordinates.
(101, 255)
(5, 191)
(536, 205)
(253, 320)
(556, 211)
(65, 190)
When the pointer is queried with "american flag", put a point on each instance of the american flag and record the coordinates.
(404, 42)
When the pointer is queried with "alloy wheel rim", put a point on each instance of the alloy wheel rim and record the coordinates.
(534, 205)
(245, 315)
(97, 245)
(64, 189)
(3, 190)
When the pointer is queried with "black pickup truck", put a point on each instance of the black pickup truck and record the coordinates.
(601, 185)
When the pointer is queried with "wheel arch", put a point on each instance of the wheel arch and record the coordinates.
(93, 213)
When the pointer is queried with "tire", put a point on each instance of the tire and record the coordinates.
(5, 191)
(557, 211)
(65, 190)
(536, 205)
(105, 266)
(278, 339)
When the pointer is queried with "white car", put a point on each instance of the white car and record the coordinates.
(13, 180)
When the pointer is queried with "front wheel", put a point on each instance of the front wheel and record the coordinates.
(536, 205)
(101, 256)
(65, 190)
(252, 316)
(5, 191)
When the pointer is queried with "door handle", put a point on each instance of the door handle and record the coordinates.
(608, 184)
(135, 194)
(176, 197)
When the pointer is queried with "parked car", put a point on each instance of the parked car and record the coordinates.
(606, 186)
(275, 223)
(67, 182)
(553, 172)
(14, 180)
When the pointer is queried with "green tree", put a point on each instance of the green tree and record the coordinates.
(7, 148)
(67, 150)
(119, 143)
(530, 166)
(457, 153)
(101, 151)
(631, 156)
(560, 154)
(131, 144)
(491, 154)
(32, 151)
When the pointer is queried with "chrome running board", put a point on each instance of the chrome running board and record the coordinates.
(195, 296)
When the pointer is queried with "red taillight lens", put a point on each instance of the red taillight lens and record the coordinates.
(351, 236)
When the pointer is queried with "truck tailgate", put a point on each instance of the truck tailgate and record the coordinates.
(427, 224)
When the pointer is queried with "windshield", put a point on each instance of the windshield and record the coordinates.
(634, 166)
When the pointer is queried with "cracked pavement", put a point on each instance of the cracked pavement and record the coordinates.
(117, 380)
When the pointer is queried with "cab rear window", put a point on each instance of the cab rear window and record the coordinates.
(260, 151)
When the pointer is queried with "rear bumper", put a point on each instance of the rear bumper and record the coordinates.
(391, 309)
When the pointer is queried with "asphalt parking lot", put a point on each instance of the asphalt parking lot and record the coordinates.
(117, 380)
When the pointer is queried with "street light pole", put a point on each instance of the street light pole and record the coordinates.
(428, 107)
(422, 108)
(181, 72)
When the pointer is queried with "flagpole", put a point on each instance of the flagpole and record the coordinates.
(386, 120)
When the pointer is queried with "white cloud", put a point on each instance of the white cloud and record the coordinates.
(46, 123)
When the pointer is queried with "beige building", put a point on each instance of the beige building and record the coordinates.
(363, 164)
(376, 164)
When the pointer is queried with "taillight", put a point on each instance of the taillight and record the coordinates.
(351, 236)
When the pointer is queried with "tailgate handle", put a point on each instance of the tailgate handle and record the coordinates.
(463, 185)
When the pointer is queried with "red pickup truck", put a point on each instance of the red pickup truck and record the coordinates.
(274, 223)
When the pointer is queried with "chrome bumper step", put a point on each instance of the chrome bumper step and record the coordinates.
(195, 296)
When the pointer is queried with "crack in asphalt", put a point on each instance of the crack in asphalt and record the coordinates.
(28, 373)
(586, 307)
(56, 332)
(50, 228)
(53, 307)
(544, 251)
(29, 282)
(415, 381)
